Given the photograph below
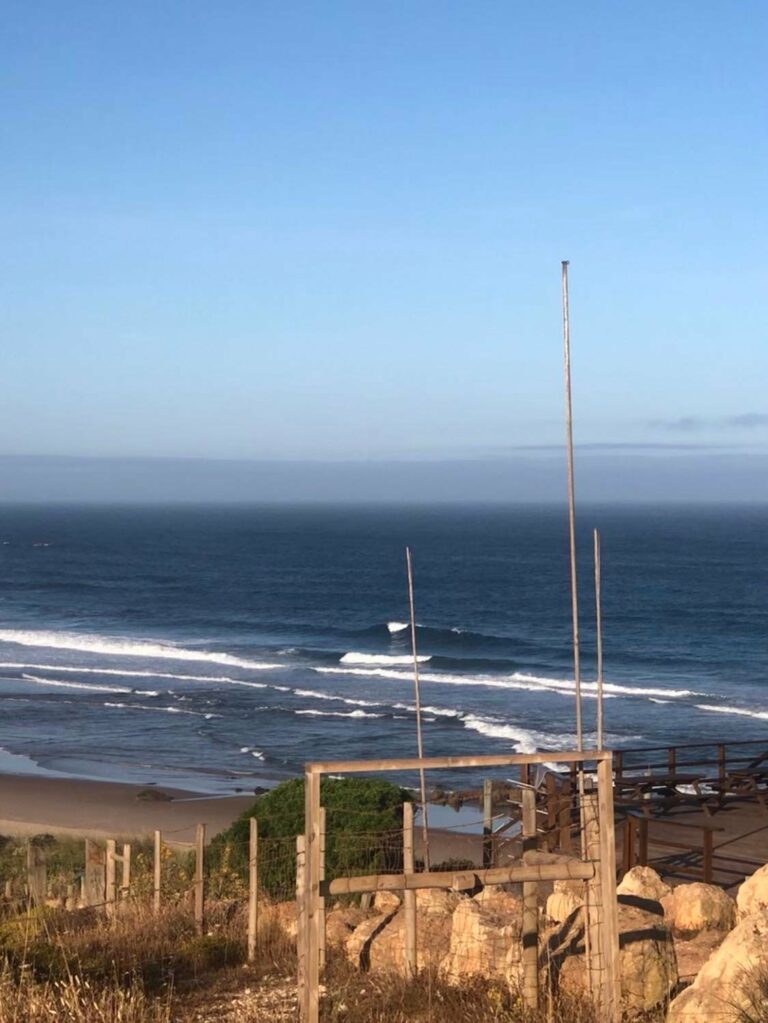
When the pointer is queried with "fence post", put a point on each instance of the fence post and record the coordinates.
(157, 867)
(566, 812)
(301, 924)
(109, 893)
(199, 877)
(530, 908)
(312, 893)
(409, 897)
(707, 857)
(611, 980)
(37, 879)
(253, 887)
(487, 823)
(125, 887)
(94, 881)
(721, 763)
(321, 899)
(643, 842)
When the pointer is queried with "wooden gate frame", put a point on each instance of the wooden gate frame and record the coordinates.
(311, 888)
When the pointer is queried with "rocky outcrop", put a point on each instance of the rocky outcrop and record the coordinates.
(340, 923)
(485, 940)
(692, 908)
(752, 896)
(727, 988)
(378, 943)
(644, 883)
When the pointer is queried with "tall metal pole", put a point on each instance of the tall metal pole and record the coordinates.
(599, 626)
(571, 506)
(417, 689)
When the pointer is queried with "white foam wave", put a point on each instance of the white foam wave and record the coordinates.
(129, 673)
(116, 646)
(397, 626)
(356, 658)
(339, 714)
(518, 680)
(167, 710)
(313, 694)
(761, 715)
(74, 685)
(525, 740)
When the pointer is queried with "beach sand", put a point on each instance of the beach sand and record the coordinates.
(31, 805)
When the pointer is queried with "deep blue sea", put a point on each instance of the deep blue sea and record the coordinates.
(217, 647)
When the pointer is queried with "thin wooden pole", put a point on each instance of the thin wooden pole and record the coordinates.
(611, 986)
(409, 897)
(530, 933)
(253, 887)
(109, 895)
(599, 627)
(302, 926)
(125, 887)
(312, 944)
(487, 823)
(321, 900)
(157, 871)
(417, 689)
(199, 878)
(571, 505)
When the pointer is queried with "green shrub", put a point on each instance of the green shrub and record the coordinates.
(363, 832)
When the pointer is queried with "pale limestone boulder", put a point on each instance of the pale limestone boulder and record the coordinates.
(386, 952)
(284, 915)
(436, 901)
(691, 908)
(752, 896)
(358, 944)
(386, 902)
(485, 941)
(647, 960)
(340, 923)
(562, 905)
(644, 883)
(726, 987)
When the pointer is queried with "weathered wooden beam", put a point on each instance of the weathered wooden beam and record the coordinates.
(409, 897)
(253, 887)
(530, 935)
(429, 763)
(460, 880)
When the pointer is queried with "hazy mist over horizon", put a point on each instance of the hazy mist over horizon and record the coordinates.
(603, 475)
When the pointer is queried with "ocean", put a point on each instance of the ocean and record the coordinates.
(220, 648)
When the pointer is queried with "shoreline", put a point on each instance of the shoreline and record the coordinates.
(81, 807)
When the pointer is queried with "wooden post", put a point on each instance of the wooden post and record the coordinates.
(566, 811)
(253, 887)
(37, 879)
(301, 926)
(530, 933)
(409, 898)
(321, 899)
(487, 823)
(312, 944)
(611, 979)
(125, 887)
(199, 878)
(643, 842)
(708, 856)
(721, 763)
(94, 880)
(157, 871)
(109, 894)
(618, 763)
(417, 695)
(552, 811)
(599, 630)
(672, 759)
(630, 828)
(593, 901)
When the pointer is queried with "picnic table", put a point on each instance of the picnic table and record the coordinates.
(660, 791)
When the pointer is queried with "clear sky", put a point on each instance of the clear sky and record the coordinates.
(333, 230)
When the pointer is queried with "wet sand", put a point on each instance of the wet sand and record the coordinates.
(31, 804)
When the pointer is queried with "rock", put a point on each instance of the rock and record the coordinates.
(647, 961)
(562, 905)
(340, 923)
(386, 902)
(433, 936)
(485, 941)
(358, 944)
(436, 901)
(691, 908)
(752, 896)
(726, 987)
(645, 883)
(284, 915)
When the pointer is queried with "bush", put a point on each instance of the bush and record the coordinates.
(363, 832)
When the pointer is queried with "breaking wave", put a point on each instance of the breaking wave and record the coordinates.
(356, 658)
(761, 715)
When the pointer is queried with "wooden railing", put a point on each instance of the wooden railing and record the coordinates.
(715, 759)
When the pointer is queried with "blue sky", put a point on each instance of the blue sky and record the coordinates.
(333, 230)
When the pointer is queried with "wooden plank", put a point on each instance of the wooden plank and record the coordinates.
(429, 763)
(594, 895)
(253, 887)
(312, 823)
(530, 935)
(707, 857)
(487, 824)
(109, 893)
(301, 925)
(157, 871)
(461, 880)
(94, 877)
(409, 897)
(199, 883)
(321, 899)
(612, 977)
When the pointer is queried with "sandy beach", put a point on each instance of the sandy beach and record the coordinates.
(72, 806)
